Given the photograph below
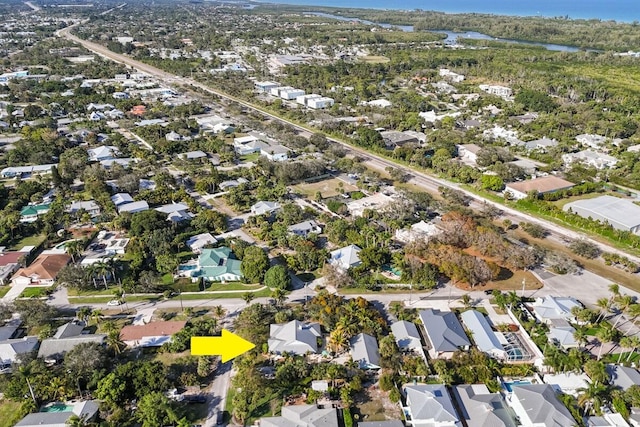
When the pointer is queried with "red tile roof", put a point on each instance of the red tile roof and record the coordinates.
(153, 329)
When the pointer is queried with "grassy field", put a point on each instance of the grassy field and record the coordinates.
(34, 292)
(9, 413)
(29, 241)
(93, 292)
(327, 187)
(373, 59)
(4, 289)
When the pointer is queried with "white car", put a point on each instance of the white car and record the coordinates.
(114, 302)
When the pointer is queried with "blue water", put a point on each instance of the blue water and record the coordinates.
(619, 10)
(509, 385)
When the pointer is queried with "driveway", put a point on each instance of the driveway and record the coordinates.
(218, 393)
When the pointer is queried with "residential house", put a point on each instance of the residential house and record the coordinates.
(501, 91)
(121, 199)
(232, 183)
(305, 228)
(153, 334)
(537, 405)
(67, 337)
(444, 333)
(591, 140)
(345, 258)
(217, 265)
(407, 336)
(562, 333)
(242, 147)
(379, 103)
(419, 231)
(199, 241)
(375, 202)
(364, 351)
(483, 335)
(30, 213)
(26, 171)
(622, 377)
(134, 207)
(549, 307)
(621, 214)
(104, 152)
(567, 382)
(11, 349)
(85, 410)
(193, 155)
(294, 337)
(542, 144)
(90, 207)
(124, 162)
(590, 158)
(543, 185)
(393, 139)
(176, 212)
(386, 423)
(429, 405)
(303, 416)
(480, 408)
(43, 271)
(607, 420)
(264, 208)
(275, 153)
(265, 86)
(9, 263)
(468, 152)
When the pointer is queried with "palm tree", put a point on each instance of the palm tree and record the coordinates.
(74, 248)
(604, 335)
(634, 312)
(248, 297)
(96, 315)
(114, 342)
(102, 269)
(622, 302)
(83, 313)
(580, 335)
(76, 421)
(279, 295)
(634, 343)
(219, 311)
(338, 340)
(466, 301)
(604, 305)
(593, 396)
(614, 288)
(625, 342)
(25, 372)
(396, 308)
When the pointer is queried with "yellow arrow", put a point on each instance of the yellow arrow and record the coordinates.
(229, 346)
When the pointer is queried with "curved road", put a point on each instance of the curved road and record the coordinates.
(421, 179)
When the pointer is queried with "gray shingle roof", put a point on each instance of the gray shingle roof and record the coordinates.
(55, 348)
(364, 350)
(483, 335)
(483, 409)
(303, 416)
(406, 335)
(294, 337)
(443, 330)
(542, 405)
(622, 376)
(430, 402)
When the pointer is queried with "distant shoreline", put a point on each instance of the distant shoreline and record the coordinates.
(604, 13)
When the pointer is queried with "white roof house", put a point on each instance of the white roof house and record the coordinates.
(121, 199)
(134, 207)
(199, 241)
(607, 420)
(430, 405)
(418, 231)
(263, 207)
(538, 405)
(622, 377)
(567, 382)
(549, 307)
(590, 158)
(483, 336)
(561, 332)
(345, 258)
(304, 228)
(374, 202)
(591, 140)
(104, 152)
(621, 214)
(303, 416)
(90, 207)
(10, 349)
(294, 337)
(176, 212)
(406, 335)
(275, 153)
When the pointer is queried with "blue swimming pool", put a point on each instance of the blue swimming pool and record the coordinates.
(510, 384)
(57, 407)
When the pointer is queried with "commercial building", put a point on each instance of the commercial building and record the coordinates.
(621, 214)
(544, 185)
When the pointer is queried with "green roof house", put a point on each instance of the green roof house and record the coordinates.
(218, 265)
(30, 213)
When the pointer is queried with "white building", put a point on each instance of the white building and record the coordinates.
(345, 258)
(199, 241)
(450, 75)
(501, 91)
(621, 214)
(590, 158)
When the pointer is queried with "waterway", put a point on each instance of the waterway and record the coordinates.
(452, 36)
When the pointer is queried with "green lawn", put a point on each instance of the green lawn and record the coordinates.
(4, 289)
(34, 292)
(92, 292)
(152, 297)
(253, 157)
(29, 241)
(9, 413)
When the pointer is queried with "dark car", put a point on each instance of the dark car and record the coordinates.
(196, 398)
(488, 292)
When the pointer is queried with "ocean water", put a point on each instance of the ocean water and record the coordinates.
(618, 10)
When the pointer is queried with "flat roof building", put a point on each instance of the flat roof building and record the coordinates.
(621, 214)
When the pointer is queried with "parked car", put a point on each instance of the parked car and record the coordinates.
(114, 302)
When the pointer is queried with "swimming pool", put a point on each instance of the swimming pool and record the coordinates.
(509, 385)
(57, 407)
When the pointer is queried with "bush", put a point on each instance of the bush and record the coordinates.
(584, 248)
(534, 230)
(394, 395)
